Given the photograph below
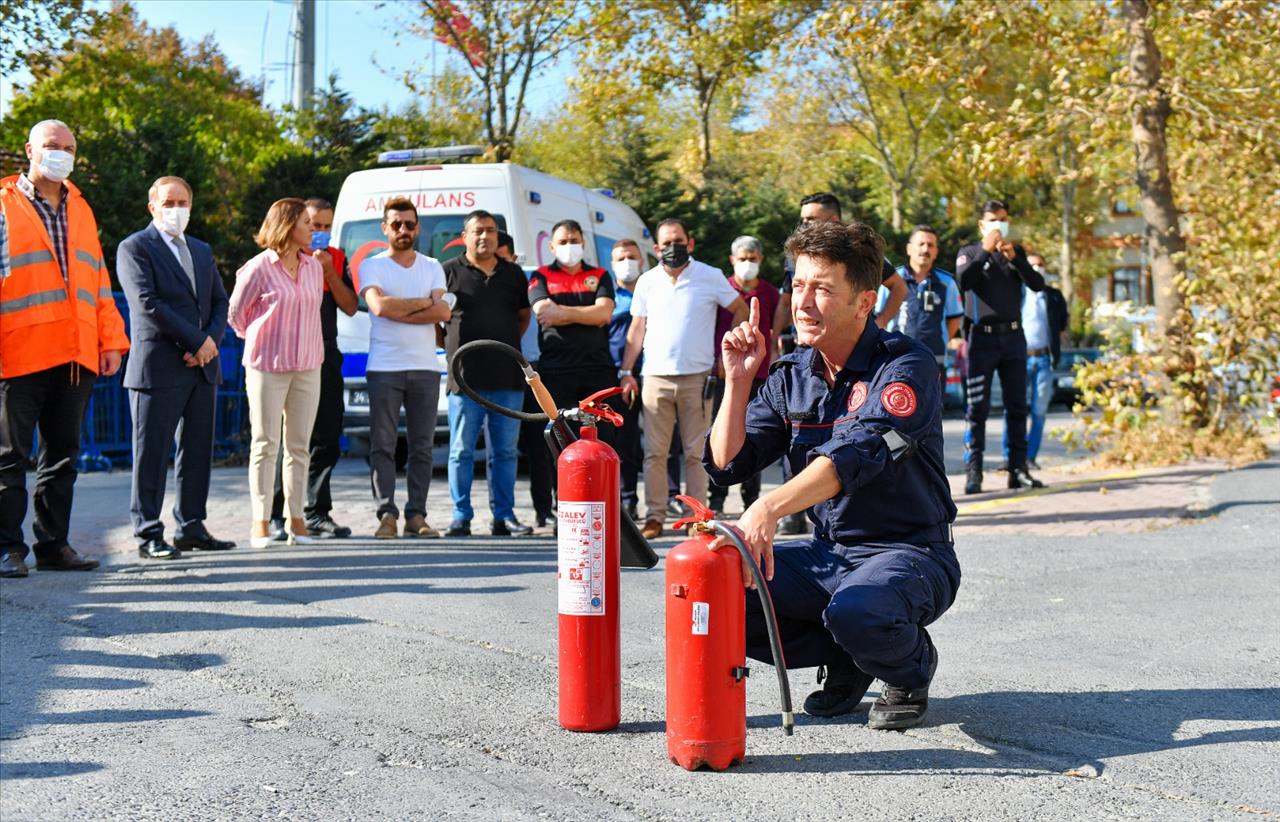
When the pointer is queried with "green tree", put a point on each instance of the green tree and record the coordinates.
(505, 43)
(34, 29)
(143, 104)
(706, 48)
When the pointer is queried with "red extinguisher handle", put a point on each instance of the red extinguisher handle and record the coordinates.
(595, 406)
(698, 513)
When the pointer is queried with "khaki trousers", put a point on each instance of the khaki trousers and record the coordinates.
(291, 397)
(666, 401)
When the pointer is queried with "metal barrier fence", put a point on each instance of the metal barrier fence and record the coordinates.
(106, 436)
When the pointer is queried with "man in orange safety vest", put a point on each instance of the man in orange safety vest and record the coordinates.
(59, 329)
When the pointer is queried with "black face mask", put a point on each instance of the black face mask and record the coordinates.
(675, 255)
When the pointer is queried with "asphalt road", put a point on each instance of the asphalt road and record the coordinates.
(1090, 677)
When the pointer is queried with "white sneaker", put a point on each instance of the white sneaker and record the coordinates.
(261, 542)
(299, 539)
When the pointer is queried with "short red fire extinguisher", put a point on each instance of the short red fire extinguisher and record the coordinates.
(588, 573)
(706, 646)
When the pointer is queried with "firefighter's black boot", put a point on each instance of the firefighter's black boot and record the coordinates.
(843, 686)
(899, 708)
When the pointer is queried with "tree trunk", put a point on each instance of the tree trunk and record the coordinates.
(895, 206)
(1066, 253)
(704, 135)
(1150, 113)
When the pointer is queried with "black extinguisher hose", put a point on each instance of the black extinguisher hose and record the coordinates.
(636, 551)
(458, 373)
(770, 620)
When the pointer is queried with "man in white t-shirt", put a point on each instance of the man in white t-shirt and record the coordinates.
(673, 322)
(404, 291)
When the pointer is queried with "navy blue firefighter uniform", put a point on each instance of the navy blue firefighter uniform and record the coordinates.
(880, 564)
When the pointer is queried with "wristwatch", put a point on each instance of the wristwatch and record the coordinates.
(624, 372)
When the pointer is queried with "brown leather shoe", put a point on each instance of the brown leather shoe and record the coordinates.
(13, 565)
(652, 529)
(417, 526)
(387, 528)
(65, 558)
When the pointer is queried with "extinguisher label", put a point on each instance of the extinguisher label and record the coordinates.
(580, 539)
(701, 618)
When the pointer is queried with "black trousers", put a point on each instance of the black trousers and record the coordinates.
(568, 388)
(325, 446)
(53, 401)
(1006, 355)
(538, 458)
(159, 414)
(626, 441)
(750, 488)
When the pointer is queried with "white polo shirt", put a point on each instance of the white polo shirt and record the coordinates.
(397, 346)
(680, 324)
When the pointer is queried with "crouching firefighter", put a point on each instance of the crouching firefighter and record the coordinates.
(858, 416)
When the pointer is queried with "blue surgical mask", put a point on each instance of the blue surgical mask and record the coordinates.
(319, 239)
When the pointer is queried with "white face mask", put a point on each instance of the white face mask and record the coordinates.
(746, 270)
(570, 254)
(173, 221)
(626, 270)
(56, 164)
(999, 225)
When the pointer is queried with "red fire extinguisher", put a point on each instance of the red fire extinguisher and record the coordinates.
(706, 646)
(588, 573)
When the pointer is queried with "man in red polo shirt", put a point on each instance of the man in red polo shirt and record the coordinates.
(573, 304)
(745, 255)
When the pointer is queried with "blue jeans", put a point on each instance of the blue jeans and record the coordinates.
(500, 434)
(1039, 393)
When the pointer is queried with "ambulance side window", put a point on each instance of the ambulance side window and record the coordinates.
(604, 250)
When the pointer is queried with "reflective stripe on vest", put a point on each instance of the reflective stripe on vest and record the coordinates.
(85, 295)
(30, 258)
(30, 300)
(88, 259)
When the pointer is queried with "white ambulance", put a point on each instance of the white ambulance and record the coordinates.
(526, 204)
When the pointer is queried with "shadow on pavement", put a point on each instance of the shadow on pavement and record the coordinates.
(1049, 732)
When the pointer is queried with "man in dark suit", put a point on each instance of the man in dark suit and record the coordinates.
(178, 310)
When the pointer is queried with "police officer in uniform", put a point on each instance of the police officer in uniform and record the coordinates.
(992, 274)
(932, 311)
(858, 418)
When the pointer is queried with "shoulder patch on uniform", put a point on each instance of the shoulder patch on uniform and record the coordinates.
(591, 282)
(899, 399)
(857, 397)
(961, 260)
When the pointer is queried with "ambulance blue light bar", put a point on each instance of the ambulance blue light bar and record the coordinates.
(417, 155)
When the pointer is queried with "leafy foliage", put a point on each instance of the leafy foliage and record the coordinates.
(143, 104)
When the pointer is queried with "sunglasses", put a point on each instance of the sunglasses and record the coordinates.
(396, 225)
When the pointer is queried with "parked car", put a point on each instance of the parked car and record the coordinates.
(1064, 376)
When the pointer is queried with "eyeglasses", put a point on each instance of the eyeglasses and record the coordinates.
(396, 225)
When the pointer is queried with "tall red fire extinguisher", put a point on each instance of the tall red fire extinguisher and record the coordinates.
(588, 575)
(706, 646)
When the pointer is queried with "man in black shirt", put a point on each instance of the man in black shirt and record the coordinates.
(325, 447)
(992, 274)
(491, 302)
(573, 304)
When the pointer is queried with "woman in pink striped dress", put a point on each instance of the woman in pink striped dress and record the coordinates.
(275, 307)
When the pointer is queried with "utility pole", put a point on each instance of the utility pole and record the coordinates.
(304, 53)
